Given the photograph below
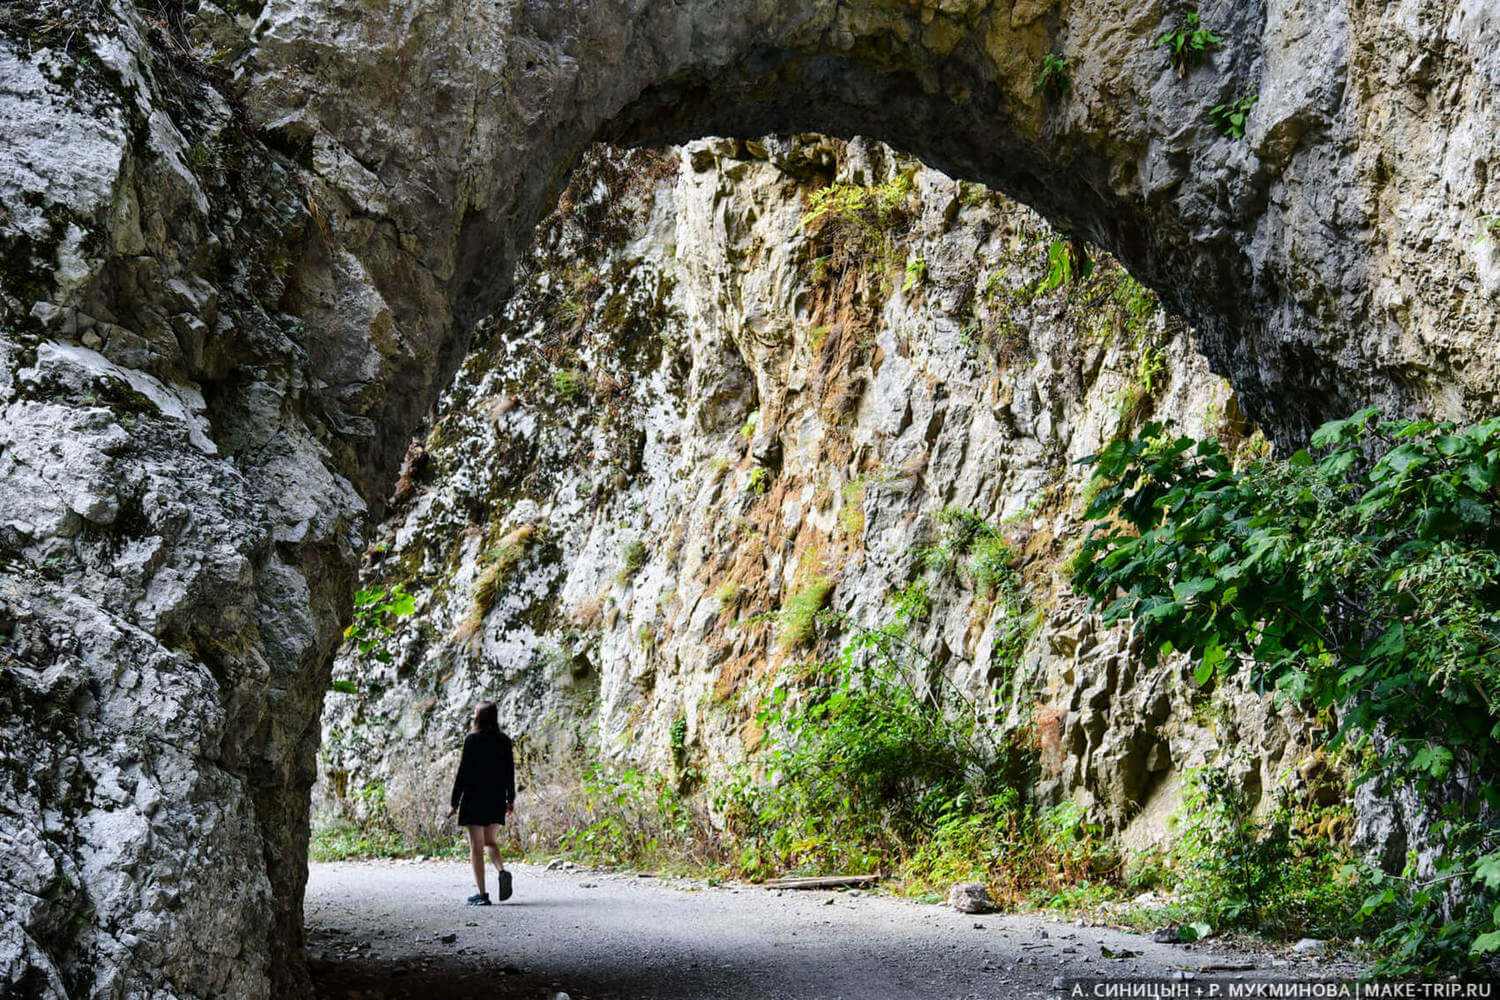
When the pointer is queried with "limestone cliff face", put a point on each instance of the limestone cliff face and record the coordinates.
(700, 406)
(242, 244)
(177, 538)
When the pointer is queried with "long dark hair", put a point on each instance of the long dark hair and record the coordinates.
(486, 718)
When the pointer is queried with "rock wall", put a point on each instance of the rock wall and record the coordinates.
(241, 244)
(699, 406)
(177, 541)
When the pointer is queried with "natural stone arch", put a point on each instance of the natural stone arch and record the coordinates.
(1309, 287)
(446, 131)
(1328, 259)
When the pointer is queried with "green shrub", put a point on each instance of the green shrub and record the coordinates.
(1052, 76)
(1362, 578)
(1188, 45)
(871, 768)
(859, 225)
(916, 273)
(677, 740)
(625, 816)
(376, 835)
(866, 763)
(1133, 400)
(1240, 873)
(374, 610)
(1066, 262)
(1230, 117)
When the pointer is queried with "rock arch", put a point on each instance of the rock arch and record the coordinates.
(1291, 251)
(225, 360)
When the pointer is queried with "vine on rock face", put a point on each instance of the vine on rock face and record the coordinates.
(1362, 579)
(373, 611)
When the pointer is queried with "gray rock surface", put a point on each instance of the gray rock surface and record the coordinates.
(243, 249)
(970, 897)
(745, 417)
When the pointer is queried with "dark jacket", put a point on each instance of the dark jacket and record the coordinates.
(486, 781)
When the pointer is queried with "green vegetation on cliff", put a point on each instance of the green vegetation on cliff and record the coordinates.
(1361, 579)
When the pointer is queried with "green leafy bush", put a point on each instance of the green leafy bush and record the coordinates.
(629, 816)
(1362, 577)
(1230, 117)
(1242, 873)
(877, 764)
(866, 764)
(859, 226)
(376, 833)
(1066, 262)
(1052, 76)
(1188, 44)
(916, 273)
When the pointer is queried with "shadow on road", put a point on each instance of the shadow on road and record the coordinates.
(461, 978)
(444, 977)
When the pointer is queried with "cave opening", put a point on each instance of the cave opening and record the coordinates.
(741, 387)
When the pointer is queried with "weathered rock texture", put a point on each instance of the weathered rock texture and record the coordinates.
(235, 242)
(695, 407)
(177, 543)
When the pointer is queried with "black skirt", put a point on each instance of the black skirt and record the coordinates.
(479, 809)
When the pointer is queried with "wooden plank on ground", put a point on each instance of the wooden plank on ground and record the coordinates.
(823, 882)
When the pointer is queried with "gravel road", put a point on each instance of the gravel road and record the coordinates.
(400, 929)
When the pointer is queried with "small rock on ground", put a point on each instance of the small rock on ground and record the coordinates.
(970, 897)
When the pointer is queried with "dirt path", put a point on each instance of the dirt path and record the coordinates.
(400, 929)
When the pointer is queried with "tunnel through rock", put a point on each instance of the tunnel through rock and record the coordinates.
(245, 245)
(735, 378)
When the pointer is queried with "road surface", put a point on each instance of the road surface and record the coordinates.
(390, 929)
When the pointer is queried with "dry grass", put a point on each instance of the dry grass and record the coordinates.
(499, 562)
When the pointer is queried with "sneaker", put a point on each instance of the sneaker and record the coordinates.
(502, 885)
(482, 899)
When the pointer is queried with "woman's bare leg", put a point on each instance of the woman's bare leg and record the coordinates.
(476, 853)
(492, 845)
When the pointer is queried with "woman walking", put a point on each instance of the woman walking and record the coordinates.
(483, 793)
